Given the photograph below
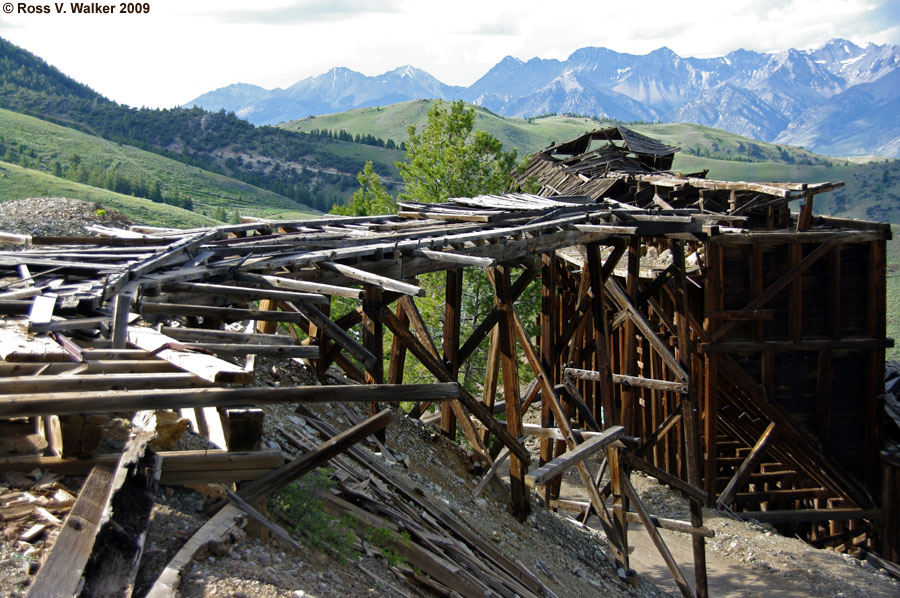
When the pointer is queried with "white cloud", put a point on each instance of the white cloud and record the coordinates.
(184, 48)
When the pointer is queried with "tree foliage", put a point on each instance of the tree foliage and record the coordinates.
(448, 159)
(370, 198)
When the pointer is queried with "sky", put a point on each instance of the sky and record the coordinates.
(181, 49)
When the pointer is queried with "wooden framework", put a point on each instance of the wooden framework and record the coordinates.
(711, 338)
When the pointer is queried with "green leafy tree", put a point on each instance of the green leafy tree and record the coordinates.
(448, 159)
(371, 197)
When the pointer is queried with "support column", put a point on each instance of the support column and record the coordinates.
(452, 306)
(373, 341)
(507, 347)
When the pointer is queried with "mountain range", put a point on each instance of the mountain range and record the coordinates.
(839, 99)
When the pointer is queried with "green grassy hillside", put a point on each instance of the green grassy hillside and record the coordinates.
(41, 145)
(392, 122)
(19, 183)
(532, 134)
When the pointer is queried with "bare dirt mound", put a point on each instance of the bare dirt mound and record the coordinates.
(57, 217)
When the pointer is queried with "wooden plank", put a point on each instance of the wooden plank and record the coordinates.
(104, 381)
(247, 292)
(224, 336)
(206, 367)
(750, 462)
(279, 282)
(261, 488)
(61, 571)
(383, 282)
(65, 403)
(241, 349)
(810, 515)
(16, 344)
(679, 387)
(582, 451)
(224, 527)
(456, 258)
(650, 528)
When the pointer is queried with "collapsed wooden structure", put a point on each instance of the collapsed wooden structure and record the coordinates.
(696, 330)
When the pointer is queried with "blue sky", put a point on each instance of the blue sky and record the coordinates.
(184, 48)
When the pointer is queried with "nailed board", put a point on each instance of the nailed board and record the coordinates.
(16, 344)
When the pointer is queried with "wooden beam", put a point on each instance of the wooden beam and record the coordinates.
(383, 282)
(750, 462)
(452, 314)
(224, 527)
(679, 387)
(776, 287)
(810, 515)
(246, 292)
(104, 381)
(520, 502)
(582, 451)
(280, 282)
(650, 528)
(65, 403)
(257, 490)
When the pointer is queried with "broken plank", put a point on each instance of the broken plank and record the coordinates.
(207, 367)
(61, 571)
(16, 344)
(224, 527)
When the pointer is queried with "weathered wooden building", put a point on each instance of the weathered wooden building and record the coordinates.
(786, 334)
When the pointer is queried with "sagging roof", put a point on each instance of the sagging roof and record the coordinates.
(633, 141)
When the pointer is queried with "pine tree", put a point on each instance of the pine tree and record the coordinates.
(371, 198)
(448, 159)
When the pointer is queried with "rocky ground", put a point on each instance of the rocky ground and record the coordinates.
(56, 216)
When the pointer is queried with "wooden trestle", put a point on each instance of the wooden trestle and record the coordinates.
(739, 363)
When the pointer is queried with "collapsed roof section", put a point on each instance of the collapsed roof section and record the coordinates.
(636, 170)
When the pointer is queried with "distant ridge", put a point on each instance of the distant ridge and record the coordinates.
(792, 96)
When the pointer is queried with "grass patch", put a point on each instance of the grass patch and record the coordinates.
(301, 507)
